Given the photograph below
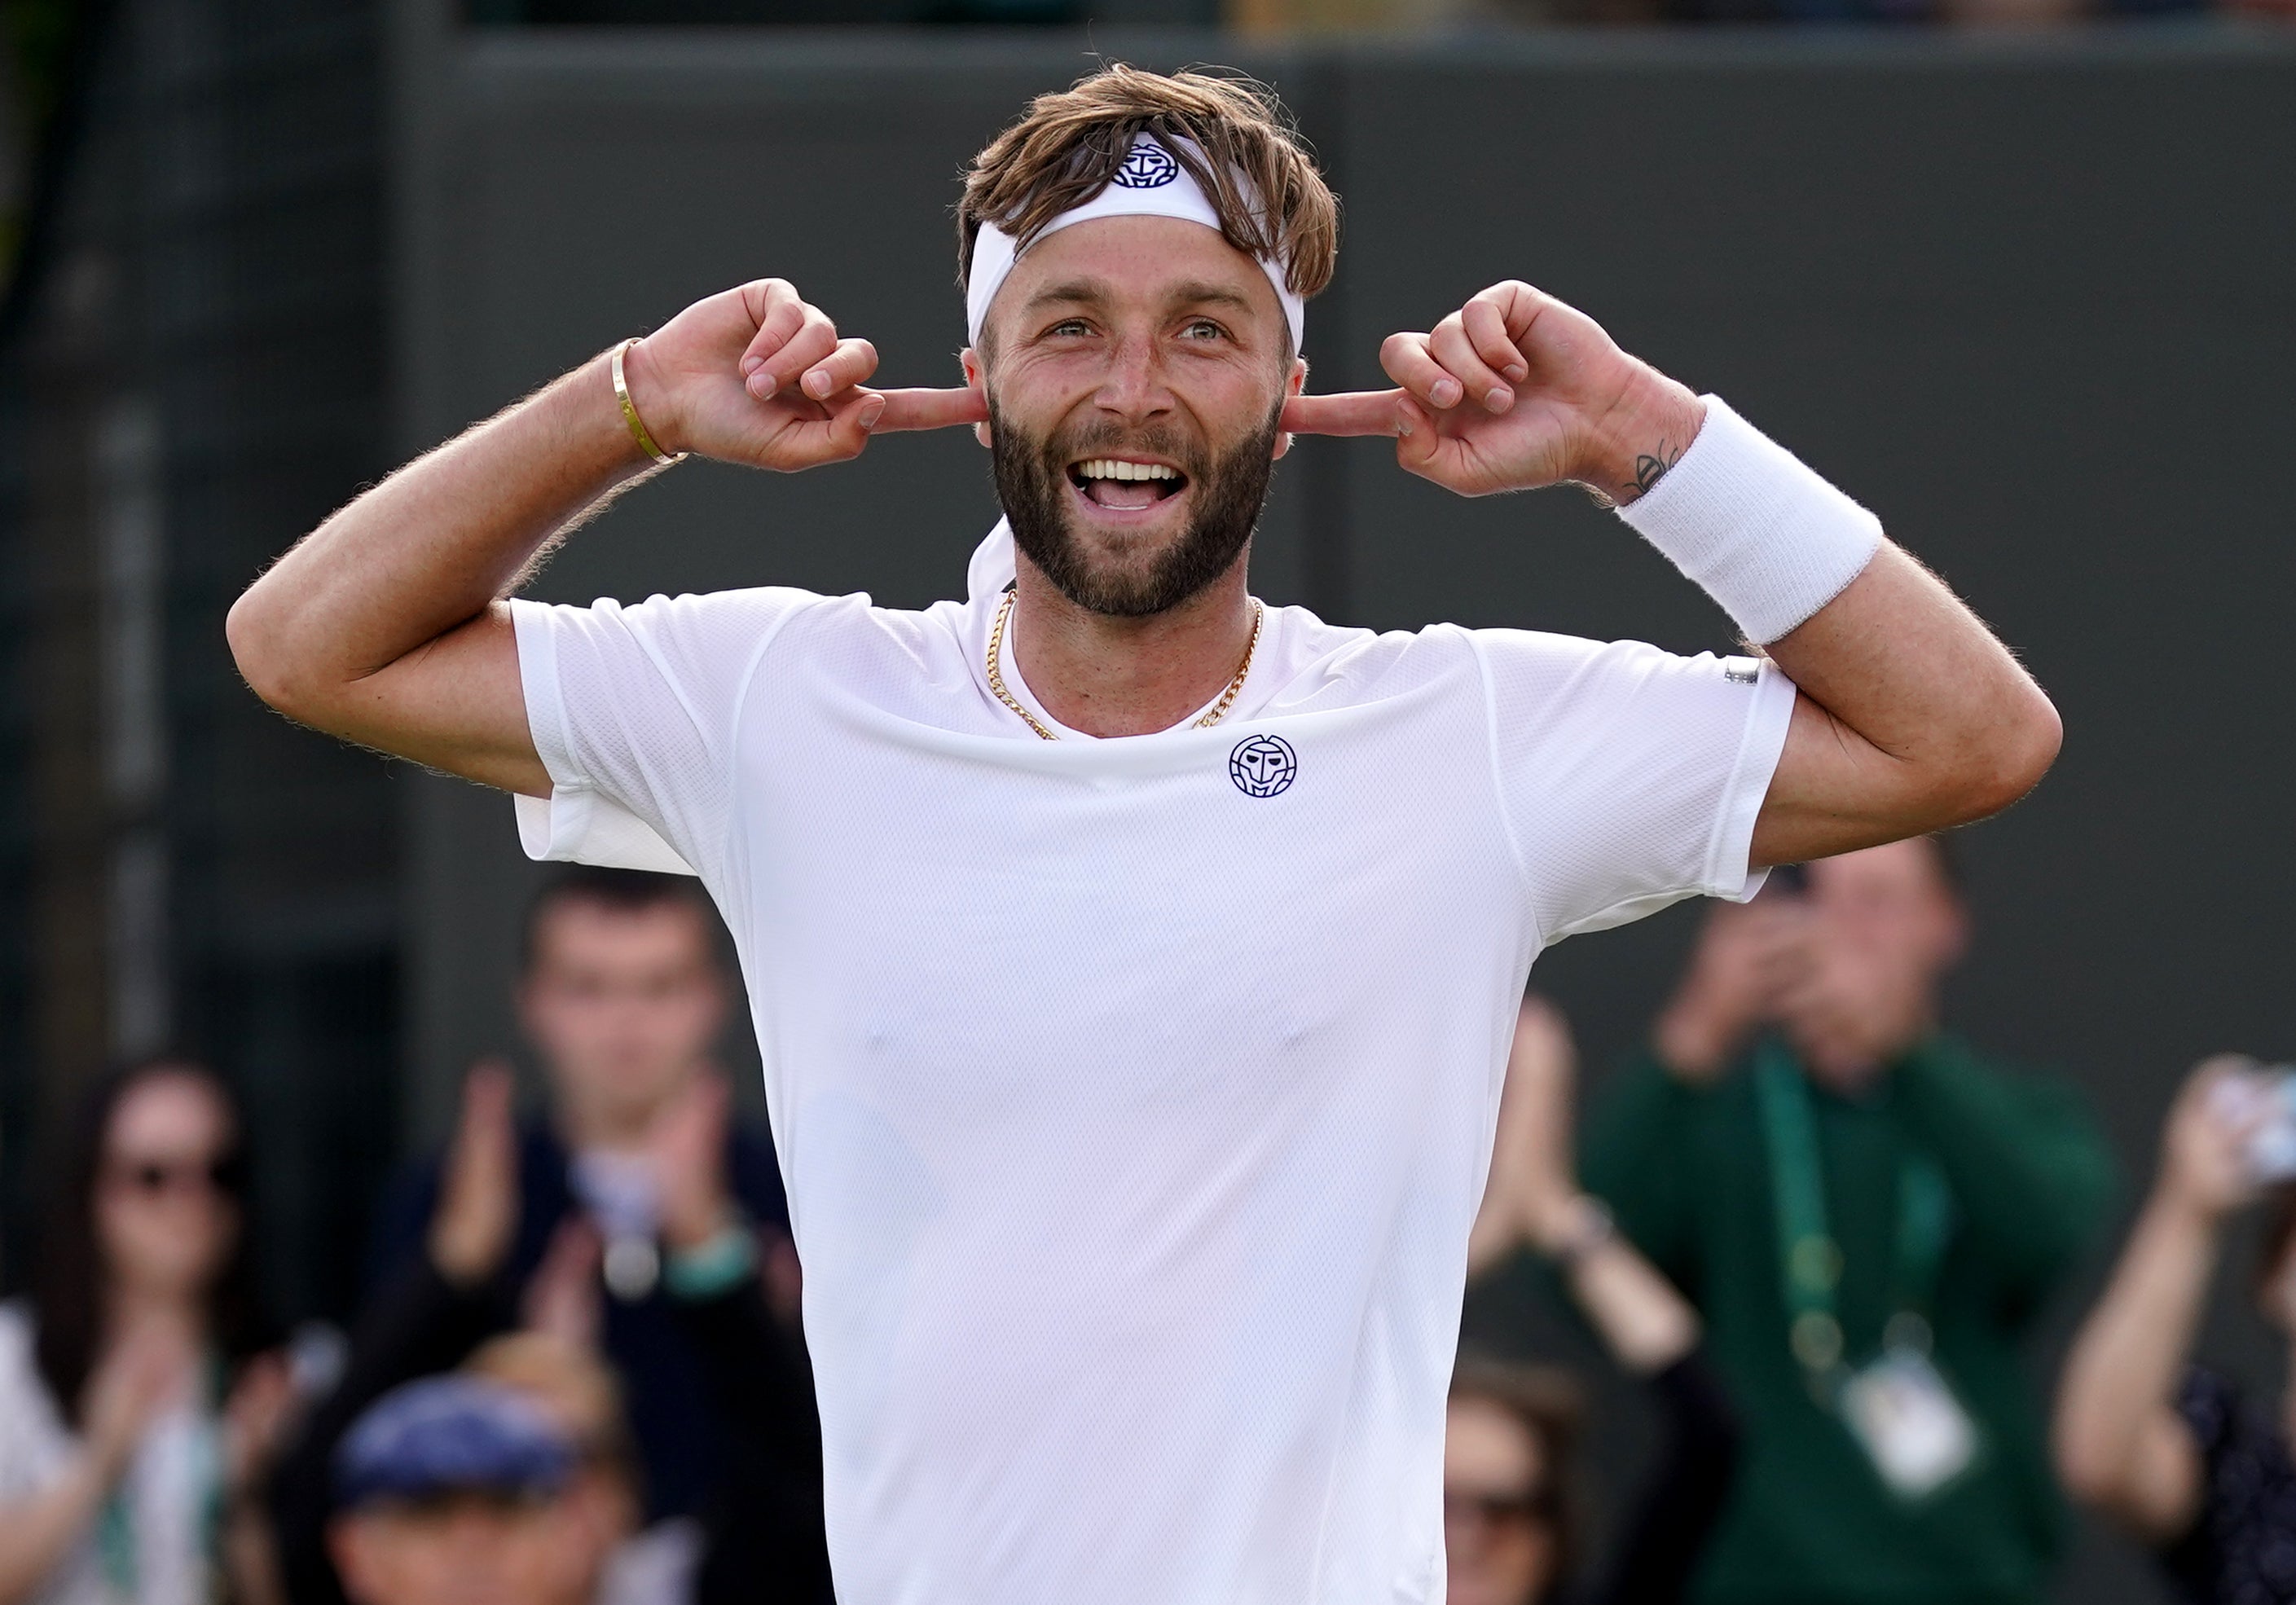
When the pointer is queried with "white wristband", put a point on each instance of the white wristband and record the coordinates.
(1764, 534)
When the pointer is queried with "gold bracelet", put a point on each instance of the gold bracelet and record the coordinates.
(630, 408)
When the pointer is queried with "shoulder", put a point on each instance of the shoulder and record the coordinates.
(16, 1331)
(22, 1388)
(1319, 665)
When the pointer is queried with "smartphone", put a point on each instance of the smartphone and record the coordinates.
(2267, 1095)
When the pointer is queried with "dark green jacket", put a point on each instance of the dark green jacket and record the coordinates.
(1687, 1172)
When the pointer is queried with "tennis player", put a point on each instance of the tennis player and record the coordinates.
(1135, 963)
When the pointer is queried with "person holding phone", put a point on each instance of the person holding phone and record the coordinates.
(2174, 1453)
(1867, 1213)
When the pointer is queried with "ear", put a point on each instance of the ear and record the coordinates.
(976, 378)
(348, 1547)
(1296, 385)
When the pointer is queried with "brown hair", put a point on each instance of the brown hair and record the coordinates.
(1230, 132)
(1549, 1405)
(71, 1282)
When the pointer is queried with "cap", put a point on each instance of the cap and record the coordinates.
(451, 1434)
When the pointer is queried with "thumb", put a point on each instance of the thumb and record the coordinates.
(851, 419)
(1419, 445)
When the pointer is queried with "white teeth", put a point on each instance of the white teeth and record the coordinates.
(1109, 467)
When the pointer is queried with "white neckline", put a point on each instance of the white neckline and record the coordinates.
(1017, 683)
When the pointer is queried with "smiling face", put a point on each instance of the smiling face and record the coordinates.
(1135, 369)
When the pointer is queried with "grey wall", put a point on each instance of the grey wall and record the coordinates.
(2026, 298)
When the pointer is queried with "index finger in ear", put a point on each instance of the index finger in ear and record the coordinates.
(1348, 412)
(930, 409)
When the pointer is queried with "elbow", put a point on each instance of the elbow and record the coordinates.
(2090, 1466)
(2005, 764)
(254, 634)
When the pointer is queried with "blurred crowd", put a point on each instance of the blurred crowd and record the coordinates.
(1811, 1226)
(1283, 18)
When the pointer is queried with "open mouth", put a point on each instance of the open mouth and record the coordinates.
(1126, 484)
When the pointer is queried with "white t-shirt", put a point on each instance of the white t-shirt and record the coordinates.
(1134, 1097)
(167, 1492)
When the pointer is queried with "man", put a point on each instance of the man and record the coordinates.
(1869, 1216)
(461, 1491)
(1089, 925)
(623, 996)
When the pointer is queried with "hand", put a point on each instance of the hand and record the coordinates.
(477, 1192)
(758, 376)
(562, 1299)
(1744, 956)
(687, 1148)
(1853, 1001)
(253, 1417)
(142, 1371)
(1514, 391)
(2205, 1148)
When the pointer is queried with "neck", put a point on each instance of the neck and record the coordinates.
(1109, 677)
(130, 1308)
(622, 1127)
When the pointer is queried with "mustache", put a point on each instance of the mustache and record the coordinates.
(1067, 446)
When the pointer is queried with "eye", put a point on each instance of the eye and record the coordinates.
(1068, 328)
(1202, 328)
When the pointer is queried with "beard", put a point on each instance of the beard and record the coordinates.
(1229, 489)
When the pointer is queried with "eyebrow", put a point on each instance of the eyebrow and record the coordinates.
(1089, 293)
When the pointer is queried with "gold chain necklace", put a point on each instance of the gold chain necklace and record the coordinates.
(996, 671)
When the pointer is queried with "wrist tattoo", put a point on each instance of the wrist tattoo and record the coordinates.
(1650, 467)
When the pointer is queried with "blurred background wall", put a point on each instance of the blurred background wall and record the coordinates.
(2025, 292)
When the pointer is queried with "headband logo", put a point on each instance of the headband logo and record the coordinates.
(1146, 168)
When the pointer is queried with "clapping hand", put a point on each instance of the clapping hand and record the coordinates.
(685, 1146)
(477, 1212)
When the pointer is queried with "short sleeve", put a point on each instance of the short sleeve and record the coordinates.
(632, 711)
(1630, 778)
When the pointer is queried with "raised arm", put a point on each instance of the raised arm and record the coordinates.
(1533, 1199)
(386, 625)
(1913, 715)
(2120, 1444)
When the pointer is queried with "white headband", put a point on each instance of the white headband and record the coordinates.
(1150, 184)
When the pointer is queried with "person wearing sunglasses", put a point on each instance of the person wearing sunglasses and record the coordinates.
(140, 1393)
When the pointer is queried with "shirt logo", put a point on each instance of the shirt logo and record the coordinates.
(1262, 765)
(1147, 167)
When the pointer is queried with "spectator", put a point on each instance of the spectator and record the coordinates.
(758, 1538)
(2175, 1454)
(623, 993)
(139, 1394)
(461, 1491)
(1511, 1526)
(1867, 1213)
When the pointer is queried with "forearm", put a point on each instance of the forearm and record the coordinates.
(2121, 1376)
(1646, 1324)
(36, 1534)
(1949, 726)
(1913, 716)
(250, 1559)
(424, 553)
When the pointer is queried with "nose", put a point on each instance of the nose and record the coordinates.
(1133, 388)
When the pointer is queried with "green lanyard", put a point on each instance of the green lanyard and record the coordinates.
(1809, 1260)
